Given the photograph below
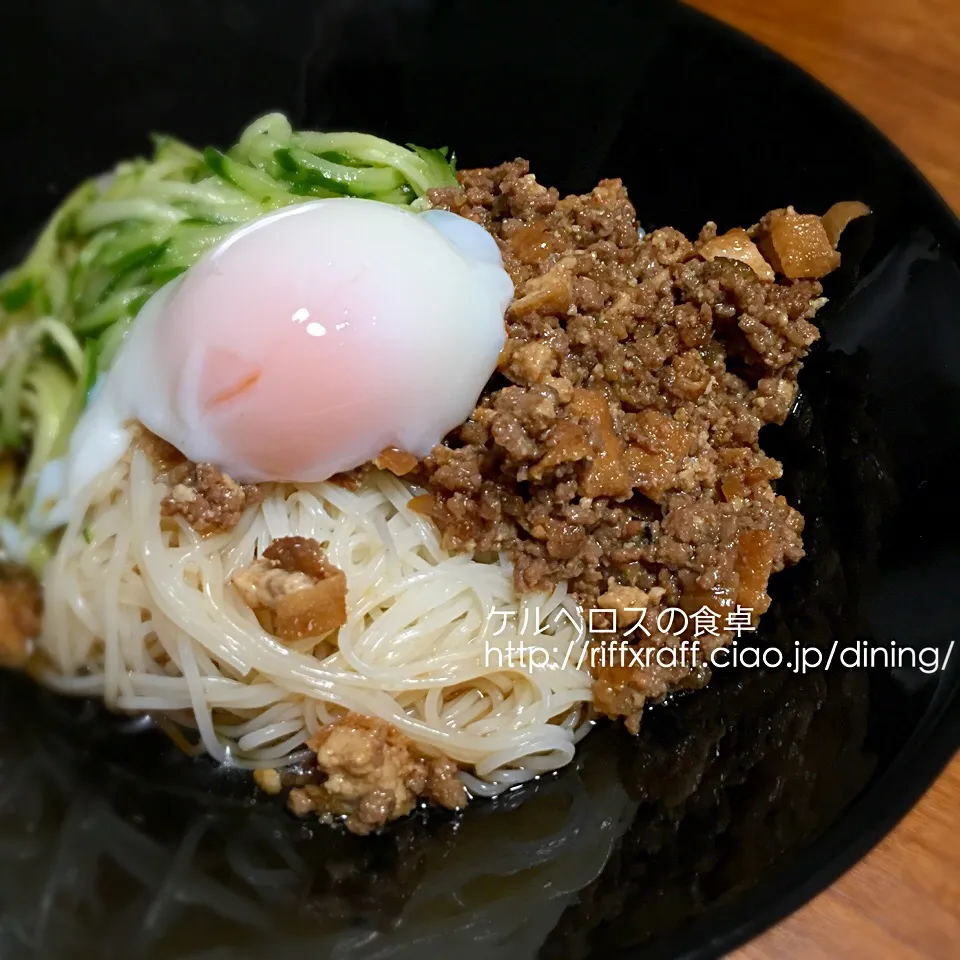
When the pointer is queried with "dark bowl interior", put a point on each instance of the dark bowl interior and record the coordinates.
(734, 803)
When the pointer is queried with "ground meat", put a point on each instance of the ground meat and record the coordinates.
(617, 448)
(163, 455)
(268, 780)
(21, 611)
(294, 590)
(302, 555)
(369, 773)
(352, 479)
(207, 498)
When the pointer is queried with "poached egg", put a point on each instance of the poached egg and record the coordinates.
(308, 342)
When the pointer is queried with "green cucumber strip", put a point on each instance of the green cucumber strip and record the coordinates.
(138, 257)
(104, 212)
(188, 244)
(261, 138)
(49, 397)
(303, 188)
(403, 196)
(163, 275)
(256, 184)
(109, 343)
(335, 156)
(120, 304)
(171, 154)
(17, 368)
(44, 251)
(41, 553)
(78, 400)
(210, 200)
(353, 181)
(92, 287)
(18, 295)
(439, 169)
(420, 173)
(9, 480)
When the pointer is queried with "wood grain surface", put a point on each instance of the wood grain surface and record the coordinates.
(898, 62)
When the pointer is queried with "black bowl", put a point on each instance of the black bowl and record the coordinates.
(734, 804)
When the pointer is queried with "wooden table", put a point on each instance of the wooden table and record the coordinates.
(898, 62)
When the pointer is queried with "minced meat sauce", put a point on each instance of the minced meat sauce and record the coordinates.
(616, 449)
(617, 446)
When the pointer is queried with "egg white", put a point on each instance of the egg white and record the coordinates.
(466, 276)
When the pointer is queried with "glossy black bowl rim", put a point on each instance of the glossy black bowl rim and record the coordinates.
(934, 742)
(860, 828)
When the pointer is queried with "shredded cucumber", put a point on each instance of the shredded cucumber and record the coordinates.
(116, 240)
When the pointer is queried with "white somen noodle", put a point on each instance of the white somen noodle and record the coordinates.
(140, 611)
